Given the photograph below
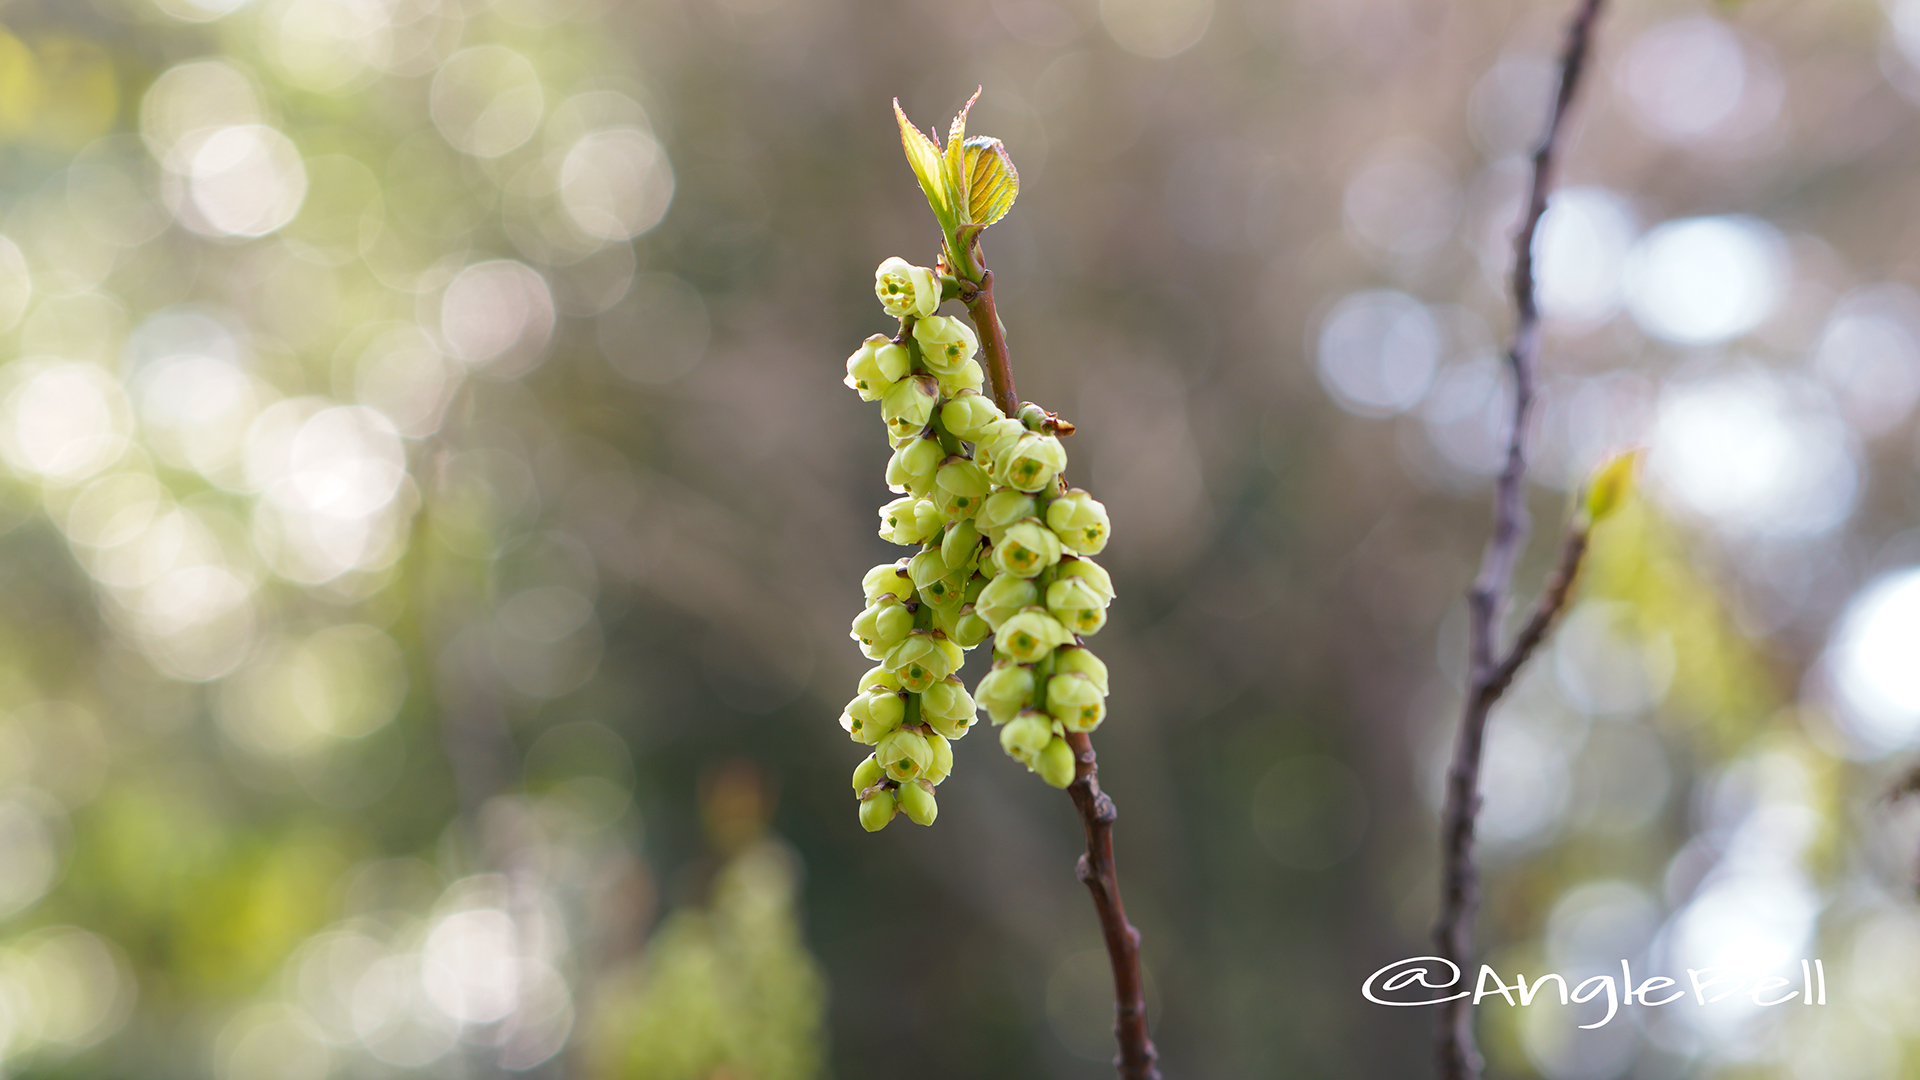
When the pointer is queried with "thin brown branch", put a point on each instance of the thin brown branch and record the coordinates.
(1489, 672)
(1136, 1058)
(993, 340)
(1137, 1055)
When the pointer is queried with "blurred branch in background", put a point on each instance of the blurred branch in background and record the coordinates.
(1490, 666)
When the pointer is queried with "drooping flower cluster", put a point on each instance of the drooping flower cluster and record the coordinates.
(1004, 550)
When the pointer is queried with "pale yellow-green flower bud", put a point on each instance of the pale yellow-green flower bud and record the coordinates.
(878, 676)
(1080, 522)
(1026, 548)
(1000, 436)
(905, 289)
(869, 717)
(1026, 735)
(960, 487)
(888, 578)
(970, 629)
(912, 466)
(917, 803)
(1032, 463)
(921, 661)
(1002, 509)
(1078, 659)
(1076, 702)
(956, 656)
(881, 627)
(1055, 764)
(942, 764)
(971, 376)
(876, 810)
(1089, 571)
(1029, 636)
(946, 699)
(905, 754)
(1004, 691)
(867, 774)
(909, 520)
(968, 414)
(1075, 603)
(945, 343)
(908, 406)
(961, 545)
(876, 366)
(927, 568)
(1004, 597)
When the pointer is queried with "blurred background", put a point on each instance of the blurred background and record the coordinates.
(432, 516)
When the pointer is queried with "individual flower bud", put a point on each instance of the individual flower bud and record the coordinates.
(876, 366)
(1055, 764)
(885, 710)
(1075, 603)
(1033, 462)
(912, 466)
(1026, 735)
(878, 676)
(867, 774)
(946, 617)
(868, 717)
(969, 629)
(968, 414)
(1089, 571)
(1004, 597)
(905, 754)
(1026, 548)
(876, 810)
(917, 803)
(945, 593)
(945, 343)
(960, 487)
(905, 289)
(947, 700)
(927, 568)
(941, 766)
(961, 544)
(905, 521)
(1077, 659)
(881, 628)
(1031, 415)
(921, 661)
(1080, 521)
(971, 376)
(1611, 485)
(1076, 702)
(1003, 508)
(908, 406)
(888, 578)
(1028, 637)
(1000, 436)
(1004, 691)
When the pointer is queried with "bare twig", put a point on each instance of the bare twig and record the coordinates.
(1137, 1055)
(1489, 671)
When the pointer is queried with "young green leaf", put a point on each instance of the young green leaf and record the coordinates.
(955, 157)
(992, 181)
(925, 158)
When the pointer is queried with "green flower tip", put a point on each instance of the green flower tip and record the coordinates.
(1055, 764)
(916, 799)
(876, 810)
